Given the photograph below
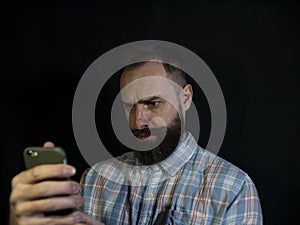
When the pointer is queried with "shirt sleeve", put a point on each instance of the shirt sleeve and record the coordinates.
(245, 209)
(82, 184)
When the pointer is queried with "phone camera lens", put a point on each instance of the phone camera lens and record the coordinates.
(32, 153)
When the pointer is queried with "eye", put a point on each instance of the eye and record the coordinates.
(153, 104)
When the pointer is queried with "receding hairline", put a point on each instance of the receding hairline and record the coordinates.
(172, 72)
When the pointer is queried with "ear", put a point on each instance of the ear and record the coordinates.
(186, 97)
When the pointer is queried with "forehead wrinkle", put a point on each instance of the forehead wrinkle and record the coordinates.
(137, 97)
(147, 87)
(147, 99)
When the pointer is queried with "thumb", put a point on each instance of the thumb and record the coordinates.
(88, 220)
(48, 144)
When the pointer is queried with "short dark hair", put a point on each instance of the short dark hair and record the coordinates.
(174, 73)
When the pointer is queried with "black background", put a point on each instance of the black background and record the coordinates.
(252, 48)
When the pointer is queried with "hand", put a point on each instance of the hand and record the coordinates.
(88, 220)
(33, 194)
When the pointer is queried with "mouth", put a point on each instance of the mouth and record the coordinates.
(143, 136)
(147, 135)
(147, 138)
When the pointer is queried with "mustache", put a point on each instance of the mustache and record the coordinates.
(146, 132)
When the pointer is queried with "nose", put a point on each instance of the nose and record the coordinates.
(139, 118)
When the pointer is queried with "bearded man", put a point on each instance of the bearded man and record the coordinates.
(166, 178)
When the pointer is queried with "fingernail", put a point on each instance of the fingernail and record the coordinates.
(75, 187)
(79, 200)
(69, 171)
(77, 217)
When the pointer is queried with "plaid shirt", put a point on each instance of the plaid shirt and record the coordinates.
(192, 186)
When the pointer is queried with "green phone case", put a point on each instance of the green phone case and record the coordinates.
(34, 156)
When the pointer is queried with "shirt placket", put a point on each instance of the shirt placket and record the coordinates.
(149, 195)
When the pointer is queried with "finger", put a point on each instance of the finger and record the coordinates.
(57, 220)
(49, 144)
(48, 205)
(43, 172)
(44, 189)
(88, 220)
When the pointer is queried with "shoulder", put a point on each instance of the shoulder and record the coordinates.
(220, 174)
(225, 183)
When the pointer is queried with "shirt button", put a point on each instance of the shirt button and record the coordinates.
(150, 195)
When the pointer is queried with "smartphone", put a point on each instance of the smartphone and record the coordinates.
(34, 156)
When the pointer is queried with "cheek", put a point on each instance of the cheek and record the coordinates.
(164, 119)
(127, 114)
(158, 122)
(130, 118)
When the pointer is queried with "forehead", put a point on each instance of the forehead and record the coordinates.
(147, 80)
(143, 70)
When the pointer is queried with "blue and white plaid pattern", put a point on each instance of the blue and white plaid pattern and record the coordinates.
(192, 186)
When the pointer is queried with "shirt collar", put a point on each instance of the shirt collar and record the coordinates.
(180, 156)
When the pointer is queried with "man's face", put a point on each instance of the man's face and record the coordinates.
(151, 102)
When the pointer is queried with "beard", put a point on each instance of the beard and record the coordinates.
(166, 146)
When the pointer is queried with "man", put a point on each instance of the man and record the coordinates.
(168, 180)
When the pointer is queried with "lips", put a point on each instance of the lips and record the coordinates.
(146, 134)
(143, 136)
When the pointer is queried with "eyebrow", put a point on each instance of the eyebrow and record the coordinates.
(145, 101)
